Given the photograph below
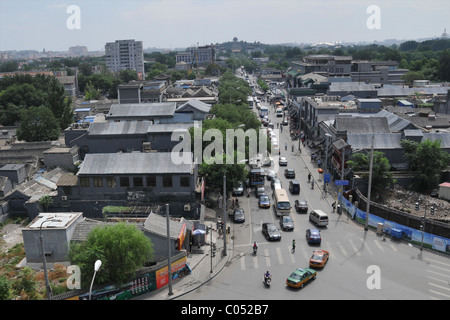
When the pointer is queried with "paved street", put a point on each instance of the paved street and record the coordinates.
(362, 265)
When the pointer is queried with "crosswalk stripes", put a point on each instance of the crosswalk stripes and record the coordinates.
(438, 274)
(266, 254)
(280, 258)
(272, 255)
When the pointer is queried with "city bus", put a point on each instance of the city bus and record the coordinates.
(264, 111)
(282, 206)
(256, 177)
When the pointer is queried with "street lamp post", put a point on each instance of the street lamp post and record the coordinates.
(97, 266)
(327, 137)
(44, 260)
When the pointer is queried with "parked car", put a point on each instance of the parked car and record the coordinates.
(319, 259)
(239, 190)
(239, 215)
(301, 206)
(286, 223)
(313, 236)
(264, 201)
(270, 231)
(299, 277)
(282, 161)
(289, 173)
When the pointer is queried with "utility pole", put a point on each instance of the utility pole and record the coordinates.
(366, 226)
(224, 231)
(169, 267)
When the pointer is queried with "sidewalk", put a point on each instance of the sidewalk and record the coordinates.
(201, 265)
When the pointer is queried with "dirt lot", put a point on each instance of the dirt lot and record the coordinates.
(10, 235)
(405, 200)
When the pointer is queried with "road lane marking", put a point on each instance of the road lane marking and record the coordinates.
(393, 247)
(440, 293)
(291, 254)
(266, 253)
(354, 247)
(438, 286)
(440, 262)
(366, 247)
(438, 280)
(280, 258)
(378, 245)
(341, 248)
(242, 261)
(255, 262)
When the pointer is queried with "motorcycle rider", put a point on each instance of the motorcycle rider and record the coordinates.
(267, 277)
(255, 247)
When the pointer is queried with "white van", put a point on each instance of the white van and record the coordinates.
(319, 217)
(279, 112)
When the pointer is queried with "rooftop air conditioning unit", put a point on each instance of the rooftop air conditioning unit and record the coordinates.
(187, 207)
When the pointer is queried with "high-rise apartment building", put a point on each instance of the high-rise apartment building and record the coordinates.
(125, 54)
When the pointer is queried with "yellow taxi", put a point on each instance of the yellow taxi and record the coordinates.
(319, 259)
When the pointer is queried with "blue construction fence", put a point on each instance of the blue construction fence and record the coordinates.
(396, 230)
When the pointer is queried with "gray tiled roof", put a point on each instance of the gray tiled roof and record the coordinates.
(119, 128)
(133, 163)
(362, 124)
(161, 109)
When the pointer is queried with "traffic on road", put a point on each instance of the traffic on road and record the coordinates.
(310, 250)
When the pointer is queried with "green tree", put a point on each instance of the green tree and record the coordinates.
(26, 285)
(410, 76)
(443, 71)
(127, 75)
(45, 201)
(215, 171)
(38, 124)
(381, 175)
(91, 93)
(427, 160)
(59, 103)
(5, 288)
(122, 248)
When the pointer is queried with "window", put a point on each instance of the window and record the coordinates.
(151, 181)
(84, 182)
(110, 182)
(167, 181)
(124, 182)
(138, 182)
(185, 182)
(98, 182)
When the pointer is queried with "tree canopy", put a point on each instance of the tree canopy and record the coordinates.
(381, 175)
(121, 247)
(427, 160)
(38, 124)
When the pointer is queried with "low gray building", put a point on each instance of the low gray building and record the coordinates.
(141, 177)
(56, 230)
(15, 172)
(64, 157)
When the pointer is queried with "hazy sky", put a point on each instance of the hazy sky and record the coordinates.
(38, 24)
